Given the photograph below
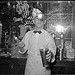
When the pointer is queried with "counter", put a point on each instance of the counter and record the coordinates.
(10, 65)
(66, 66)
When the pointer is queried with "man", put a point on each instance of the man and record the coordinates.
(34, 41)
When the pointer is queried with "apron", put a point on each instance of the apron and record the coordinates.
(34, 64)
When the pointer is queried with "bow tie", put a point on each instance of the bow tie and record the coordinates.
(38, 32)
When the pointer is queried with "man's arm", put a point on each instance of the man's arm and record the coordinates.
(23, 45)
(52, 49)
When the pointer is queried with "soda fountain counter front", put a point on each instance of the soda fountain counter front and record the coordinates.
(16, 64)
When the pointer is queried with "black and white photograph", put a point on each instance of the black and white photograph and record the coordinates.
(37, 37)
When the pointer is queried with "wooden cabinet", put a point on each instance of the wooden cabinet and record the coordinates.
(12, 65)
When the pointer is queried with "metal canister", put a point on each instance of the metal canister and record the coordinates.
(43, 57)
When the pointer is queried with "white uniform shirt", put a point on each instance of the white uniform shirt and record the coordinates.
(34, 42)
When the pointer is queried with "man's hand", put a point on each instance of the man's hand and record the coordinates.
(49, 55)
(21, 44)
(21, 47)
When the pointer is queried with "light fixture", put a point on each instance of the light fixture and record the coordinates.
(15, 37)
(59, 28)
(8, 3)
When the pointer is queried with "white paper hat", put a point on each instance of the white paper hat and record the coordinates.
(37, 12)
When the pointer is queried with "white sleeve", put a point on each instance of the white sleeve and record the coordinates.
(51, 46)
(25, 40)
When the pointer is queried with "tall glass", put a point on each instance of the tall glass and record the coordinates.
(43, 57)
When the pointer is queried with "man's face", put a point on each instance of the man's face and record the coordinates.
(38, 22)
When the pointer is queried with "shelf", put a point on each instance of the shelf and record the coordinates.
(60, 14)
(64, 38)
(67, 59)
(64, 63)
